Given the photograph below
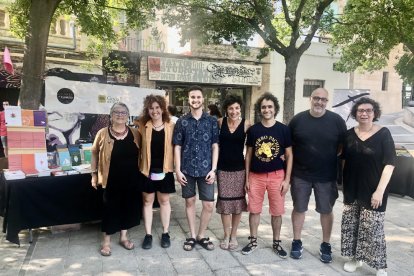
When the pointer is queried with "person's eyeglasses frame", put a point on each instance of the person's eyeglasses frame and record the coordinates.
(120, 113)
(317, 99)
(368, 111)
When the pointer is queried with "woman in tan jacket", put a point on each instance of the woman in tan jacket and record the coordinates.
(115, 154)
(156, 164)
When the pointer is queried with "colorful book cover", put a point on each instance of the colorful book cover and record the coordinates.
(75, 156)
(39, 117)
(27, 139)
(64, 158)
(14, 139)
(87, 156)
(27, 117)
(41, 162)
(39, 139)
(28, 164)
(13, 115)
(52, 160)
(15, 162)
(86, 153)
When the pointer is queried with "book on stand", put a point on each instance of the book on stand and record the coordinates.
(86, 153)
(64, 158)
(75, 156)
(27, 117)
(28, 165)
(39, 117)
(41, 164)
(13, 115)
(52, 160)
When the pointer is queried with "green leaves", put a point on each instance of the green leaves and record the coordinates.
(369, 30)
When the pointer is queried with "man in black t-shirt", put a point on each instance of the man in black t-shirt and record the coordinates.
(317, 139)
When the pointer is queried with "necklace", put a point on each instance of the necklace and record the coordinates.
(118, 134)
(156, 127)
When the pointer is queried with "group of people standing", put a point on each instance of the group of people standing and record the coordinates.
(248, 159)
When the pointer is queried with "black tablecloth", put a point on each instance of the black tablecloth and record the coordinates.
(46, 201)
(402, 180)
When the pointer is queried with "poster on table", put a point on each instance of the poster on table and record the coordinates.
(344, 99)
(78, 110)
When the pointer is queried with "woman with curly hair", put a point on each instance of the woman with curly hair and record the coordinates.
(156, 164)
(231, 200)
(369, 160)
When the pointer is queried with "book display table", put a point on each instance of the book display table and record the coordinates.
(46, 201)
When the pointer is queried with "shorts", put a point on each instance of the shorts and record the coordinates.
(165, 186)
(206, 191)
(258, 184)
(326, 194)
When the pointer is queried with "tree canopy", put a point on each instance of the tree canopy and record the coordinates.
(286, 27)
(369, 29)
(31, 19)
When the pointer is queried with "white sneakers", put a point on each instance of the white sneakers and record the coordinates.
(352, 265)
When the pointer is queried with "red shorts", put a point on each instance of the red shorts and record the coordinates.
(258, 184)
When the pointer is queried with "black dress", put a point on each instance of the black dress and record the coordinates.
(231, 175)
(122, 197)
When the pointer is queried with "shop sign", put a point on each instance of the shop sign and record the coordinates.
(197, 71)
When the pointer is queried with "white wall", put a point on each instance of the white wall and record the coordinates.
(316, 63)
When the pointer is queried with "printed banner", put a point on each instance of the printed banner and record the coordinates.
(78, 110)
(343, 100)
(197, 71)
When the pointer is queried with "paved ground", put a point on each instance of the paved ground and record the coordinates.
(76, 252)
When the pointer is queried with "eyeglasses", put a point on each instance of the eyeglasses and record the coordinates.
(368, 111)
(120, 113)
(317, 99)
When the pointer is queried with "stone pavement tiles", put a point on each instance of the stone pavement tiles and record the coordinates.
(77, 253)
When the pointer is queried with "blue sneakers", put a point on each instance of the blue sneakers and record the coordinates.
(325, 252)
(297, 248)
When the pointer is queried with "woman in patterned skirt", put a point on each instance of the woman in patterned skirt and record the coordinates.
(369, 159)
(231, 174)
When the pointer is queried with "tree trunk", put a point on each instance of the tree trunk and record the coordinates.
(291, 62)
(40, 17)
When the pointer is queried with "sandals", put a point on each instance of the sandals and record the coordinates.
(278, 249)
(250, 247)
(105, 251)
(225, 244)
(233, 244)
(127, 244)
(206, 243)
(189, 244)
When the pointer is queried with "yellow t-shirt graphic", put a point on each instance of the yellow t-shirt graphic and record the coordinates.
(267, 148)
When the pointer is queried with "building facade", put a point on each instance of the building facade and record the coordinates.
(218, 69)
